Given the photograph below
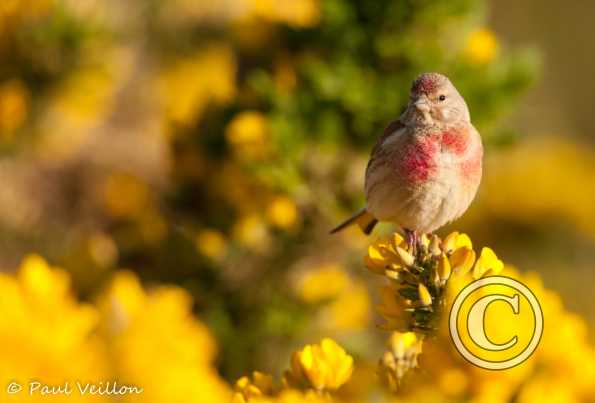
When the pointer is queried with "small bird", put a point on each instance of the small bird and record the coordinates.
(425, 168)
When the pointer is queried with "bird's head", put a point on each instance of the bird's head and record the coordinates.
(435, 101)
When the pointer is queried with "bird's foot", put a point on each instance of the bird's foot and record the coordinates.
(413, 241)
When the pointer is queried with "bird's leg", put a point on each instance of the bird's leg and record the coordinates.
(412, 241)
(418, 243)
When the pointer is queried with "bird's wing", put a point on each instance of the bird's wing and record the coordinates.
(392, 127)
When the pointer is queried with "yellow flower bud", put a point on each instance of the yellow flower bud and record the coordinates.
(424, 295)
(435, 246)
(406, 257)
(443, 268)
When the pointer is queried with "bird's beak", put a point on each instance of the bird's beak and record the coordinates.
(422, 105)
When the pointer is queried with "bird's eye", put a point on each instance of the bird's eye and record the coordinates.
(442, 97)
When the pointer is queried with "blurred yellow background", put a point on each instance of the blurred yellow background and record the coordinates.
(170, 171)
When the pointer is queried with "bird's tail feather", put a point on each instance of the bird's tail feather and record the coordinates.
(362, 218)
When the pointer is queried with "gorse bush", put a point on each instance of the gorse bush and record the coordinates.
(183, 162)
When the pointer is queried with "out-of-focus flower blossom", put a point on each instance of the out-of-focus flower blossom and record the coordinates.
(103, 249)
(120, 337)
(505, 193)
(285, 76)
(14, 101)
(248, 134)
(211, 243)
(349, 311)
(282, 212)
(246, 389)
(125, 195)
(252, 232)
(323, 283)
(323, 367)
(453, 382)
(290, 396)
(133, 326)
(401, 356)
(17, 10)
(348, 302)
(247, 127)
(152, 226)
(482, 46)
(45, 335)
(299, 13)
(191, 83)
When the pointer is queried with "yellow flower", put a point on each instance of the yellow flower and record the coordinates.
(45, 334)
(453, 382)
(459, 249)
(292, 396)
(299, 13)
(323, 283)
(248, 133)
(251, 231)
(392, 307)
(282, 212)
(350, 310)
(401, 343)
(488, 263)
(456, 240)
(13, 107)
(136, 338)
(247, 127)
(482, 46)
(388, 255)
(191, 83)
(401, 356)
(324, 366)
(102, 249)
(507, 194)
(260, 385)
(211, 243)
(462, 260)
(125, 195)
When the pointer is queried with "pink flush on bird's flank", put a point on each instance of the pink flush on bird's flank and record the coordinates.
(471, 166)
(455, 140)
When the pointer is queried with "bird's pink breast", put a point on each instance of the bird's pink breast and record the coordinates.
(419, 159)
